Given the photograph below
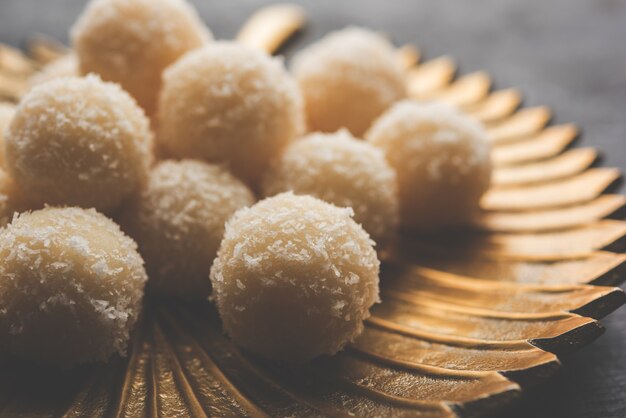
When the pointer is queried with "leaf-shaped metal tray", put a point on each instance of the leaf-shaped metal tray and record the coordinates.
(468, 320)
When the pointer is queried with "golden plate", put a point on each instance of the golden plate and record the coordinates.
(468, 320)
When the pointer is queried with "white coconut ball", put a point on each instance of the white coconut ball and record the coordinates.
(178, 222)
(131, 42)
(348, 79)
(71, 286)
(294, 278)
(78, 142)
(442, 160)
(229, 104)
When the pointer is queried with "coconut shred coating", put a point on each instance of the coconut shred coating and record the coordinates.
(229, 104)
(78, 142)
(442, 159)
(71, 285)
(348, 78)
(344, 171)
(294, 278)
(178, 221)
(131, 42)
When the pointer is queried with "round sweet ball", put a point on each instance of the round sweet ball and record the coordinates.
(66, 66)
(442, 159)
(132, 42)
(78, 142)
(178, 222)
(231, 104)
(71, 286)
(294, 278)
(348, 79)
(6, 115)
(344, 171)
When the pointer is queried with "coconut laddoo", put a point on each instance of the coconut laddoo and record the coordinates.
(71, 286)
(78, 142)
(131, 42)
(348, 79)
(294, 278)
(442, 159)
(231, 104)
(178, 222)
(344, 171)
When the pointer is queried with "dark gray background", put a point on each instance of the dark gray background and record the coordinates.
(568, 54)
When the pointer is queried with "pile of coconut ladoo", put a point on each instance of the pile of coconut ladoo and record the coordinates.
(156, 158)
